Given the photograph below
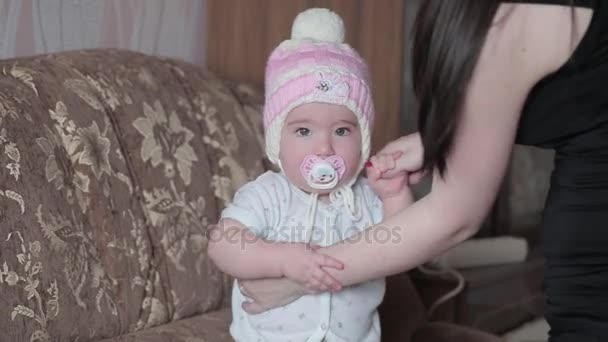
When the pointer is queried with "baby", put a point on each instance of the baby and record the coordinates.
(318, 118)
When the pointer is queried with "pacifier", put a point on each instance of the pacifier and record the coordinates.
(322, 174)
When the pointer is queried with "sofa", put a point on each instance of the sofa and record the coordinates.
(112, 166)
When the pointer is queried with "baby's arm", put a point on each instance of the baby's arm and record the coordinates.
(397, 203)
(238, 247)
(237, 251)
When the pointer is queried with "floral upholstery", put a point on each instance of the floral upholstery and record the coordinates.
(112, 166)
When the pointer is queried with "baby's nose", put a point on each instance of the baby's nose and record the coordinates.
(325, 149)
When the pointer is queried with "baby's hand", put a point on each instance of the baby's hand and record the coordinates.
(301, 263)
(377, 166)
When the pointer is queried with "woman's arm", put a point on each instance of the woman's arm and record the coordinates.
(528, 43)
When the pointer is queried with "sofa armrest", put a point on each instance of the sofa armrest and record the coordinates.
(448, 332)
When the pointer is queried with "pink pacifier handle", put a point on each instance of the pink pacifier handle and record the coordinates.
(322, 173)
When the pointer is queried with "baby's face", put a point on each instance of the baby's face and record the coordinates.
(323, 130)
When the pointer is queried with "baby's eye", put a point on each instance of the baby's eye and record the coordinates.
(342, 131)
(303, 132)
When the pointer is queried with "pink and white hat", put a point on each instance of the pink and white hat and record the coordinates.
(316, 65)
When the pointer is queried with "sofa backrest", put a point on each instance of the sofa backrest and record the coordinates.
(112, 166)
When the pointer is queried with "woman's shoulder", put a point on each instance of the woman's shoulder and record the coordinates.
(533, 40)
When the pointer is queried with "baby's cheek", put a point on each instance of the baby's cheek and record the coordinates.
(353, 159)
(350, 152)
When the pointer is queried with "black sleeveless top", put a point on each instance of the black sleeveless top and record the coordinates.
(568, 111)
(573, 101)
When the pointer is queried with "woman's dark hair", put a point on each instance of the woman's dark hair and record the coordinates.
(449, 36)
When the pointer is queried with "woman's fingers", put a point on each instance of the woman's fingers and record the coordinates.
(406, 163)
(396, 155)
(397, 145)
(380, 163)
(392, 160)
(410, 159)
(372, 172)
(416, 177)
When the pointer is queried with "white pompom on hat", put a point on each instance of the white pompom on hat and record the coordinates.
(318, 24)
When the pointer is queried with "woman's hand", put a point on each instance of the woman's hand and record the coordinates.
(266, 294)
(377, 167)
(410, 160)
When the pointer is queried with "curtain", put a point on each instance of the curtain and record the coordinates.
(172, 28)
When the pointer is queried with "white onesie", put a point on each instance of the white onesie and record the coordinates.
(273, 208)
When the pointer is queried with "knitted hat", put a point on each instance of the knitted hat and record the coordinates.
(315, 65)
